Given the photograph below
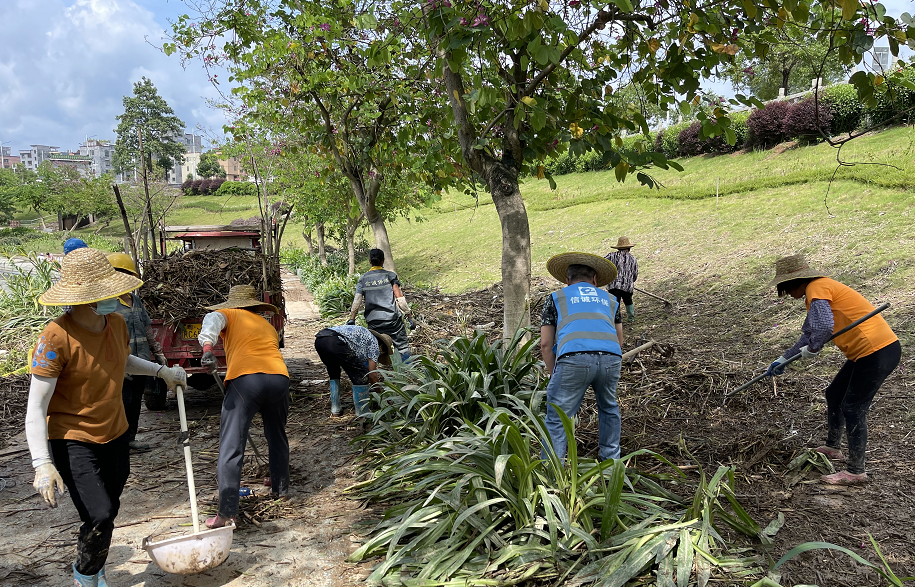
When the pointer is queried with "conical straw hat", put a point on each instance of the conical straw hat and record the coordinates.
(558, 265)
(387, 342)
(623, 243)
(86, 276)
(793, 267)
(243, 296)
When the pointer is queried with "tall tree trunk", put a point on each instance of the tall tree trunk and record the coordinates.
(306, 234)
(127, 231)
(366, 199)
(516, 248)
(151, 229)
(319, 229)
(351, 251)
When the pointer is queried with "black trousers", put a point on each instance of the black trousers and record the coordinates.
(619, 294)
(95, 475)
(336, 354)
(396, 330)
(132, 393)
(247, 395)
(849, 397)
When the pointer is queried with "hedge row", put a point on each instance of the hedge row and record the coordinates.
(837, 110)
(201, 187)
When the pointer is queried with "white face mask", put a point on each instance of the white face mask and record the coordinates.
(106, 307)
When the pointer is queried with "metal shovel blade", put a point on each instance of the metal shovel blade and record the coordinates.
(194, 553)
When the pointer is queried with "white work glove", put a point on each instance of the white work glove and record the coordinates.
(46, 480)
(160, 358)
(807, 353)
(173, 376)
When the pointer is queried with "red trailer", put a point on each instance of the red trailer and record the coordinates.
(179, 341)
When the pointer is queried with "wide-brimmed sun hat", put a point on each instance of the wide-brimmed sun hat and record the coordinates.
(558, 266)
(86, 276)
(623, 243)
(387, 343)
(244, 296)
(793, 267)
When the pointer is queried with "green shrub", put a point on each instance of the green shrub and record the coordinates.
(667, 140)
(21, 316)
(895, 102)
(237, 188)
(739, 126)
(846, 108)
(560, 165)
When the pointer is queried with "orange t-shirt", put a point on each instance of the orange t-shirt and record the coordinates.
(89, 367)
(847, 306)
(252, 345)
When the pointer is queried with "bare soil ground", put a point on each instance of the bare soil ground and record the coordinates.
(665, 397)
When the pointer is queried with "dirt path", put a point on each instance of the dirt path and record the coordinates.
(300, 541)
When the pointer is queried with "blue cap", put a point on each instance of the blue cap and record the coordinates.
(74, 243)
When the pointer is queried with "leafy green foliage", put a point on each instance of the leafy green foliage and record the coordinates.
(147, 113)
(21, 316)
(846, 108)
(236, 188)
(453, 453)
(209, 166)
(895, 104)
(333, 290)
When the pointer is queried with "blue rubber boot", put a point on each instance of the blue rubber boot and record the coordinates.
(405, 357)
(335, 408)
(80, 580)
(102, 581)
(361, 400)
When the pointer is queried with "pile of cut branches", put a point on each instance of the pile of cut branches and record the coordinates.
(183, 284)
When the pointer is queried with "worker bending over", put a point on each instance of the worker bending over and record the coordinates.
(358, 351)
(581, 334)
(627, 272)
(143, 344)
(257, 381)
(385, 304)
(871, 349)
(78, 369)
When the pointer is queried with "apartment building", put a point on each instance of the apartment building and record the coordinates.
(7, 159)
(35, 155)
(101, 153)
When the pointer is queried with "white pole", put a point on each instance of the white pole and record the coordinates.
(717, 182)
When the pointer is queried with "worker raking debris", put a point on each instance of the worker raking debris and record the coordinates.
(78, 369)
(385, 305)
(257, 381)
(358, 351)
(872, 351)
(581, 339)
(627, 273)
(143, 344)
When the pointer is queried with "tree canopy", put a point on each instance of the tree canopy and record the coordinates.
(209, 166)
(146, 113)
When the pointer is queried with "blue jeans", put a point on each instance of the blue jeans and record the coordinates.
(571, 378)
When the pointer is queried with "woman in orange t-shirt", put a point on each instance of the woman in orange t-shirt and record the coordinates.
(78, 368)
(872, 351)
(256, 382)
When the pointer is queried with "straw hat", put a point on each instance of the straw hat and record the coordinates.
(388, 345)
(623, 243)
(86, 276)
(244, 296)
(793, 267)
(558, 265)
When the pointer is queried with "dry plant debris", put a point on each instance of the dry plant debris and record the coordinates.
(14, 392)
(184, 283)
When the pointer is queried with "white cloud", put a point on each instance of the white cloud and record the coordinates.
(66, 65)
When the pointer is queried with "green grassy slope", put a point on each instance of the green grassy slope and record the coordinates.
(772, 204)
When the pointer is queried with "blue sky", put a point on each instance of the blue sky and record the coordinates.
(66, 64)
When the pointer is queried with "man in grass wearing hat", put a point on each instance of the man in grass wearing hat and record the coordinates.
(358, 351)
(581, 334)
(75, 405)
(872, 351)
(257, 381)
(627, 272)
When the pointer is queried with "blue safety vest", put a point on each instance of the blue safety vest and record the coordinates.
(586, 320)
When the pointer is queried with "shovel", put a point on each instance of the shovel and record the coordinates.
(201, 551)
(798, 356)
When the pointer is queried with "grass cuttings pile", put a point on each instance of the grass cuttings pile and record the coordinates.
(455, 455)
(14, 392)
(182, 284)
(21, 316)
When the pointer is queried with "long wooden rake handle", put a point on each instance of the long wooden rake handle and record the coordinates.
(666, 302)
(798, 356)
